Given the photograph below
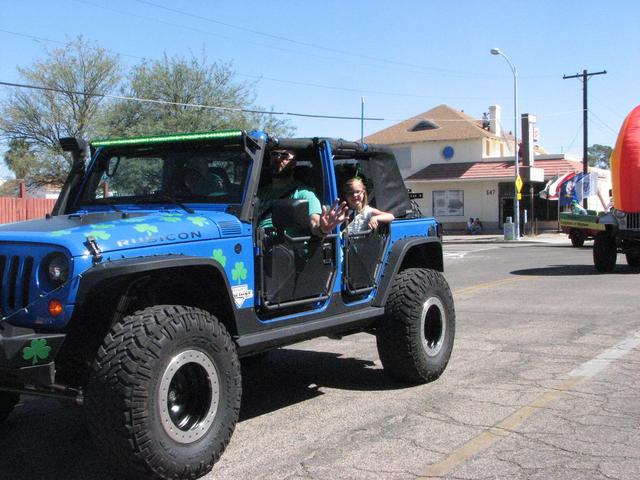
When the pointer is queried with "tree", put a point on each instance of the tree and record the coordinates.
(40, 117)
(176, 84)
(19, 158)
(599, 155)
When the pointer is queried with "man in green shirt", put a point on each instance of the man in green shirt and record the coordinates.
(322, 221)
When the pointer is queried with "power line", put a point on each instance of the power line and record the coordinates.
(261, 77)
(314, 85)
(180, 104)
(423, 69)
(60, 42)
(602, 122)
(297, 42)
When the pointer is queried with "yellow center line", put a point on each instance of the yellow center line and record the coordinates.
(495, 283)
(498, 431)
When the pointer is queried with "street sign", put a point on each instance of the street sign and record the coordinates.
(518, 183)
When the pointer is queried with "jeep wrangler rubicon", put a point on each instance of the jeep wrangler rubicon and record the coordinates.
(138, 296)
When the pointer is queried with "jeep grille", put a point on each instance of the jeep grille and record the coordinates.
(15, 273)
(632, 221)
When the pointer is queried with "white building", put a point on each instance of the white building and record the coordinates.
(464, 168)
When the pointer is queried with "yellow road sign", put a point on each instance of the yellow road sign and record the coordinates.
(518, 183)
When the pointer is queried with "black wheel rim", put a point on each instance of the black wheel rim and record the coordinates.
(189, 396)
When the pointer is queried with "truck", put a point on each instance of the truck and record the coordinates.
(621, 233)
(580, 227)
(143, 292)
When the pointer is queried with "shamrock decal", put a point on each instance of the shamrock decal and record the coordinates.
(38, 350)
(239, 272)
(134, 220)
(219, 257)
(199, 221)
(145, 227)
(98, 234)
(102, 226)
(171, 217)
(60, 233)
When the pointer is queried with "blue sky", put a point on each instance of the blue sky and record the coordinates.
(404, 57)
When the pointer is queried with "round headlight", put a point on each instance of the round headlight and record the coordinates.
(57, 268)
(619, 214)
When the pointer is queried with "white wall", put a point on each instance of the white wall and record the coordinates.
(428, 153)
(425, 154)
(480, 199)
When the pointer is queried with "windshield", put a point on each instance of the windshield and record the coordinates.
(177, 173)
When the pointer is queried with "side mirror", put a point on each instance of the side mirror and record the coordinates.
(112, 166)
(290, 213)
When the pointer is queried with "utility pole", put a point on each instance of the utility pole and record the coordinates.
(585, 146)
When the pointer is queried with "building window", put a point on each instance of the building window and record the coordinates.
(487, 148)
(448, 203)
(424, 125)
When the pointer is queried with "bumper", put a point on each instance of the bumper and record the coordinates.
(27, 357)
(633, 235)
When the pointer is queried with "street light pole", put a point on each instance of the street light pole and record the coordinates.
(516, 202)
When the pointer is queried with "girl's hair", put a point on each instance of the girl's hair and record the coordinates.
(349, 184)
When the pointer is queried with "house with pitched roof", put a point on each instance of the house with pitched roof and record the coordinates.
(463, 167)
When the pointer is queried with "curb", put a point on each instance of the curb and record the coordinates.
(529, 241)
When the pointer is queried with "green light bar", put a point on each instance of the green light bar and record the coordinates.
(167, 138)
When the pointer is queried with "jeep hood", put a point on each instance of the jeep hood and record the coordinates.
(112, 231)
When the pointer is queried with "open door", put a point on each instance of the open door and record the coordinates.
(296, 269)
(363, 255)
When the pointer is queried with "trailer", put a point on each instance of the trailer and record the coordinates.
(581, 227)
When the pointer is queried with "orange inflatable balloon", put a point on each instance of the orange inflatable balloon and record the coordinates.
(625, 165)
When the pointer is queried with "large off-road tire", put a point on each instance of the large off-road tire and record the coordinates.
(415, 337)
(633, 258)
(577, 238)
(164, 393)
(8, 401)
(605, 252)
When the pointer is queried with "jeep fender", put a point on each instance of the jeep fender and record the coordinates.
(406, 253)
(135, 266)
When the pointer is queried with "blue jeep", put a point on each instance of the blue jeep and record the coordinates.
(151, 279)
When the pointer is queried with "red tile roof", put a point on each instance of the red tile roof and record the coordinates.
(497, 170)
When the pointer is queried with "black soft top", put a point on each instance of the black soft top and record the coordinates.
(378, 164)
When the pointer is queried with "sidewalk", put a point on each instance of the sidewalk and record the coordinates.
(546, 237)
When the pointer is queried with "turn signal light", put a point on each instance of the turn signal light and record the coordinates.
(55, 307)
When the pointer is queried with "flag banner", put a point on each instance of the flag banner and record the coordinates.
(586, 185)
(544, 193)
(554, 185)
(567, 191)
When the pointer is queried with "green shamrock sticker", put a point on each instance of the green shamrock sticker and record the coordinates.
(98, 234)
(199, 221)
(134, 220)
(60, 233)
(38, 350)
(146, 228)
(171, 217)
(218, 256)
(239, 272)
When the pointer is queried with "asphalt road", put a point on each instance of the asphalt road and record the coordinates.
(543, 383)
